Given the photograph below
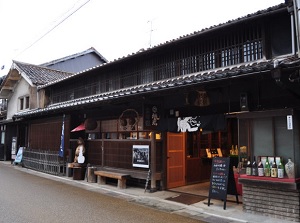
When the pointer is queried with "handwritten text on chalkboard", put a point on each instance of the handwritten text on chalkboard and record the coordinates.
(219, 179)
(219, 176)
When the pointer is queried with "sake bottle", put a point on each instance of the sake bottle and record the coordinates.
(254, 167)
(260, 169)
(274, 169)
(248, 167)
(280, 169)
(267, 168)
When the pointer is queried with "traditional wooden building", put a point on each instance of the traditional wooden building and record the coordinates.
(234, 85)
(18, 92)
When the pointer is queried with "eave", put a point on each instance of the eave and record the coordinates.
(9, 83)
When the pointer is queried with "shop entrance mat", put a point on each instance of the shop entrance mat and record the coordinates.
(186, 198)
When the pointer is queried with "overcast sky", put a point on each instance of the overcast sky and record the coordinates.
(38, 31)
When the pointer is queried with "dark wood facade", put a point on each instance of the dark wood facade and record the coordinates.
(234, 43)
(45, 134)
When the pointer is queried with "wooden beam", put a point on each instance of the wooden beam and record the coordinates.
(153, 162)
(14, 78)
(7, 88)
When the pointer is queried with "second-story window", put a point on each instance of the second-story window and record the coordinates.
(24, 103)
(241, 43)
(21, 103)
(3, 104)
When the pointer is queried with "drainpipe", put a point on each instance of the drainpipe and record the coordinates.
(296, 4)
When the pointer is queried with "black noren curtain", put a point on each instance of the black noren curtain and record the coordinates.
(212, 123)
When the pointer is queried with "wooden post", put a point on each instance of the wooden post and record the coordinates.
(102, 150)
(153, 162)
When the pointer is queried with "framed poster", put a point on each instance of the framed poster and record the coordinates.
(140, 156)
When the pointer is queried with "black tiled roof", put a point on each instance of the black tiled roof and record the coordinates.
(40, 75)
(185, 80)
(145, 51)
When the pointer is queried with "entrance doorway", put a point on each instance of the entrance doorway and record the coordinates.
(189, 154)
(176, 171)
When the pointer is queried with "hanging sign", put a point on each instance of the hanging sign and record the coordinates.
(289, 119)
(151, 116)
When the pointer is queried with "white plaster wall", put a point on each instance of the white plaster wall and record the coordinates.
(21, 89)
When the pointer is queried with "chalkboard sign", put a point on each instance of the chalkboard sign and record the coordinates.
(219, 179)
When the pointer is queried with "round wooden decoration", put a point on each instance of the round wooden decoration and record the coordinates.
(90, 124)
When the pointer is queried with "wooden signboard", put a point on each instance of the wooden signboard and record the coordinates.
(219, 180)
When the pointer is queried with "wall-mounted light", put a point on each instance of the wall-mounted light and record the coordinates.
(276, 74)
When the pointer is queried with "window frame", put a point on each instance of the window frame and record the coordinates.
(24, 103)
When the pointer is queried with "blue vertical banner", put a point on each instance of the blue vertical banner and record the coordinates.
(62, 138)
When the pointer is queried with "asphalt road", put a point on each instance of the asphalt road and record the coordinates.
(30, 198)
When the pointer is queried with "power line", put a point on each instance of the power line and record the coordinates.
(50, 30)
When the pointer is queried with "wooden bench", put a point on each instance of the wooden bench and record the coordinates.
(103, 174)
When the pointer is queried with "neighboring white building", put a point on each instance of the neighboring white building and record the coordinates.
(18, 90)
(19, 87)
